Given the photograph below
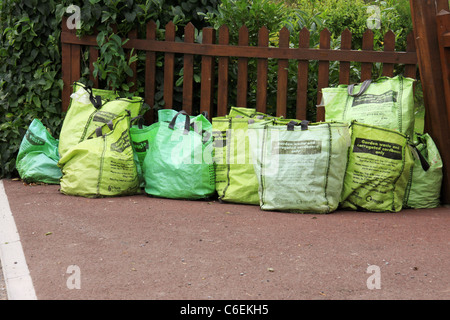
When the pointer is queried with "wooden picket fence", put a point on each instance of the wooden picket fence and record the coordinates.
(216, 53)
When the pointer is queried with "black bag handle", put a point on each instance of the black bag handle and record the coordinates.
(187, 123)
(363, 88)
(140, 121)
(293, 123)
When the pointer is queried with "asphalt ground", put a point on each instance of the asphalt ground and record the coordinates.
(144, 248)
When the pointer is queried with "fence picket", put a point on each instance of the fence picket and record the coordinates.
(222, 74)
(150, 74)
(283, 66)
(262, 64)
(367, 45)
(169, 68)
(389, 45)
(242, 74)
(302, 77)
(344, 66)
(324, 71)
(207, 75)
(188, 70)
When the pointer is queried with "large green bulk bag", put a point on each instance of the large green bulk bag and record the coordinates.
(90, 108)
(38, 155)
(103, 164)
(179, 163)
(378, 169)
(236, 180)
(300, 166)
(386, 102)
(424, 188)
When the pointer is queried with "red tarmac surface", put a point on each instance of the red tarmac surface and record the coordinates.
(139, 247)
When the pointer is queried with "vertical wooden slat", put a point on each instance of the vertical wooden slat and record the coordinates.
(93, 56)
(188, 69)
(75, 62)
(323, 76)
(410, 69)
(66, 75)
(169, 67)
(222, 82)
(150, 74)
(262, 64)
(283, 66)
(207, 77)
(133, 34)
(344, 66)
(423, 14)
(302, 78)
(242, 80)
(366, 67)
(389, 45)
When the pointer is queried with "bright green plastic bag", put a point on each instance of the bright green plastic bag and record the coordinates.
(300, 166)
(103, 165)
(424, 189)
(141, 136)
(179, 164)
(38, 156)
(386, 102)
(236, 180)
(90, 108)
(378, 169)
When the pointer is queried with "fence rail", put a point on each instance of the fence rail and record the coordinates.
(216, 51)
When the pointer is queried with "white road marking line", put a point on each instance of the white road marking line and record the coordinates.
(19, 285)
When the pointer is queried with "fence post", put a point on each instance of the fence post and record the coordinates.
(423, 14)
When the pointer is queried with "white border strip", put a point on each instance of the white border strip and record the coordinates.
(19, 285)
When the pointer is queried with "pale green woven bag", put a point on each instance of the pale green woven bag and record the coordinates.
(235, 176)
(300, 166)
(103, 164)
(424, 188)
(378, 169)
(90, 108)
(385, 102)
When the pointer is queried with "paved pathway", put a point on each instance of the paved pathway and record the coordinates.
(140, 247)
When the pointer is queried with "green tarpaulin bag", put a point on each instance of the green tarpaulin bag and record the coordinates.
(179, 164)
(386, 102)
(300, 166)
(236, 180)
(90, 108)
(141, 136)
(38, 156)
(378, 169)
(424, 189)
(102, 165)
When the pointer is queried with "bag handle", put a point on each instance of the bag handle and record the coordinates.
(99, 132)
(363, 88)
(187, 123)
(293, 123)
(140, 121)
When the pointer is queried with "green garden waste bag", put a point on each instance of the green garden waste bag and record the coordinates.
(103, 165)
(141, 136)
(236, 180)
(378, 169)
(424, 188)
(386, 102)
(178, 163)
(89, 109)
(300, 166)
(37, 160)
